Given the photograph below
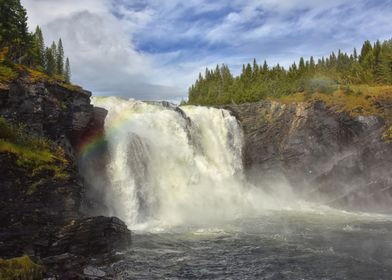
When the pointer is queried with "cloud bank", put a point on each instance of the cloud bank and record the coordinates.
(153, 50)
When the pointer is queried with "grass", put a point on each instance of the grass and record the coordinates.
(35, 75)
(21, 268)
(7, 73)
(357, 100)
(38, 156)
(10, 71)
(388, 135)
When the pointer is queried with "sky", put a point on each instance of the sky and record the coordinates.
(154, 50)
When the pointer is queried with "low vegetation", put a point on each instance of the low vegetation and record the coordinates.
(356, 100)
(22, 268)
(40, 157)
(9, 72)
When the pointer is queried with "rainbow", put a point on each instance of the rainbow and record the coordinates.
(94, 141)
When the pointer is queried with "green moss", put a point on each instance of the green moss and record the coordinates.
(37, 155)
(7, 73)
(10, 71)
(357, 100)
(387, 136)
(22, 268)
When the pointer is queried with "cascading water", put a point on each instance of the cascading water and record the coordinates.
(175, 176)
(173, 166)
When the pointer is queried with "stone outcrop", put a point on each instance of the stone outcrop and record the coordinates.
(42, 216)
(92, 236)
(326, 156)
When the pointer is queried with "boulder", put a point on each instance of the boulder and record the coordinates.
(92, 236)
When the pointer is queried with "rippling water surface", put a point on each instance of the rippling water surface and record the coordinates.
(278, 245)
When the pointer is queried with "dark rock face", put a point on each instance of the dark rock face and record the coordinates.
(48, 222)
(83, 245)
(48, 109)
(326, 156)
(28, 221)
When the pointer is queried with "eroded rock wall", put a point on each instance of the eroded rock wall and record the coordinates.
(326, 156)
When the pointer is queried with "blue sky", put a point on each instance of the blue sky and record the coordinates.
(154, 49)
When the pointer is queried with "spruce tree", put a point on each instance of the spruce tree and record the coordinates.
(301, 64)
(50, 65)
(67, 71)
(365, 51)
(53, 51)
(14, 33)
(38, 49)
(60, 58)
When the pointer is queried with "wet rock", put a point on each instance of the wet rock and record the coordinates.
(94, 272)
(92, 236)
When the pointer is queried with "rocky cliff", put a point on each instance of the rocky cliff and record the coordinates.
(326, 155)
(41, 191)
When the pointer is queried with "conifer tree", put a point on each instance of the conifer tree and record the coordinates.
(50, 65)
(67, 71)
(366, 49)
(13, 30)
(60, 58)
(53, 51)
(38, 49)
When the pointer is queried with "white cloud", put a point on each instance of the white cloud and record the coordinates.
(103, 57)
(154, 49)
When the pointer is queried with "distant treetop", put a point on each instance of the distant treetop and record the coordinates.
(21, 46)
(372, 66)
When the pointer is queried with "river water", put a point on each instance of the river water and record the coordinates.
(277, 245)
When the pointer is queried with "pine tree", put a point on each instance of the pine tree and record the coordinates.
(355, 54)
(265, 66)
(366, 49)
(38, 49)
(312, 65)
(67, 71)
(53, 51)
(255, 66)
(50, 65)
(14, 33)
(60, 58)
(301, 64)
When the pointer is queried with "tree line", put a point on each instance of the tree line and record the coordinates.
(24, 47)
(373, 66)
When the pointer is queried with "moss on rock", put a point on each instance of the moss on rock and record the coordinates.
(21, 268)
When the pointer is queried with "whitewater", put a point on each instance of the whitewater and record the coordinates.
(171, 165)
(175, 176)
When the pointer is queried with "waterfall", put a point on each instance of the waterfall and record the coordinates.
(169, 165)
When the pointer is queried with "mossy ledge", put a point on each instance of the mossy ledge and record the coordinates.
(20, 268)
(355, 100)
